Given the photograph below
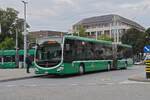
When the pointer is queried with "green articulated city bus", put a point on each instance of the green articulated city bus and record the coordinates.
(7, 58)
(73, 54)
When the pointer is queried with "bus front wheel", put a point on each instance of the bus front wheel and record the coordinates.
(81, 69)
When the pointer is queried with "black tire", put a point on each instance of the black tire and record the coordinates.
(108, 66)
(81, 69)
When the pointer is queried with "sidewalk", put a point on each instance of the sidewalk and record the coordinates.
(16, 74)
(139, 78)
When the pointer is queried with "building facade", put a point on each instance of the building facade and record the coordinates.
(46, 33)
(108, 25)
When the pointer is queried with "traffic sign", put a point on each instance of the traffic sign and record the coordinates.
(147, 49)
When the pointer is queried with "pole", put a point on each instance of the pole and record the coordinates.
(117, 31)
(96, 35)
(110, 29)
(115, 45)
(25, 33)
(78, 33)
(2, 58)
(17, 60)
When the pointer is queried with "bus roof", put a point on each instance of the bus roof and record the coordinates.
(93, 40)
(87, 39)
(125, 45)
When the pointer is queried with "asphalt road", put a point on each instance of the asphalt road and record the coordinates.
(91, 86)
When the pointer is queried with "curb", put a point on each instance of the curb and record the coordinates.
(139, 79)
(20, 78)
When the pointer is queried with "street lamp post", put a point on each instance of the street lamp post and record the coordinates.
(17, 58)
(25, 33)
(115, 44)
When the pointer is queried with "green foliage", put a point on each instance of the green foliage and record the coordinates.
(7, 44)
(135, 38)
(147, 37)
(81, 31)
(10, 23)
(106, 38)
(31, 38)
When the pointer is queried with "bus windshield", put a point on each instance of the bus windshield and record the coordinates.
(48, 55)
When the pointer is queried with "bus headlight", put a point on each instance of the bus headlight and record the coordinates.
(35, 69)
(60, 68)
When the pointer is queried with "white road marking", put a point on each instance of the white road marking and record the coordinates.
(132, 82)
(11, 85)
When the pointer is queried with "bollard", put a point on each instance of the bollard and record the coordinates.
(147, 68)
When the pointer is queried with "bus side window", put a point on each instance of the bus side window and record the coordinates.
(67, 47)
(101, 52)
(21, 58)
(68, 50)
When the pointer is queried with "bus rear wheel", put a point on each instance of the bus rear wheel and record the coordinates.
(81, 69)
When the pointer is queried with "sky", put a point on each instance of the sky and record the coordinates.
(60, 15)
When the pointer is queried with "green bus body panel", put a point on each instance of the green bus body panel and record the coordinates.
(93, 65)
(8, 52)
(8, 65)
(21, 52)
(71, 68)
(121, 64)
(13, 53)
(48, 71)
(68, 69)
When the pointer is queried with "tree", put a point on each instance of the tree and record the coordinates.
(147, 37)
(81, 31)
(8, 43)
(135, 38)
(10, 23)
(106, 38)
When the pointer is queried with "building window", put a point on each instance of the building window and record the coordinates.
(93, 33)
(121, 31)
(113, 31)
(99, 33)
(114, 23)
(107, 32)
(88, 33)
(93, 26)
(106, 25)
